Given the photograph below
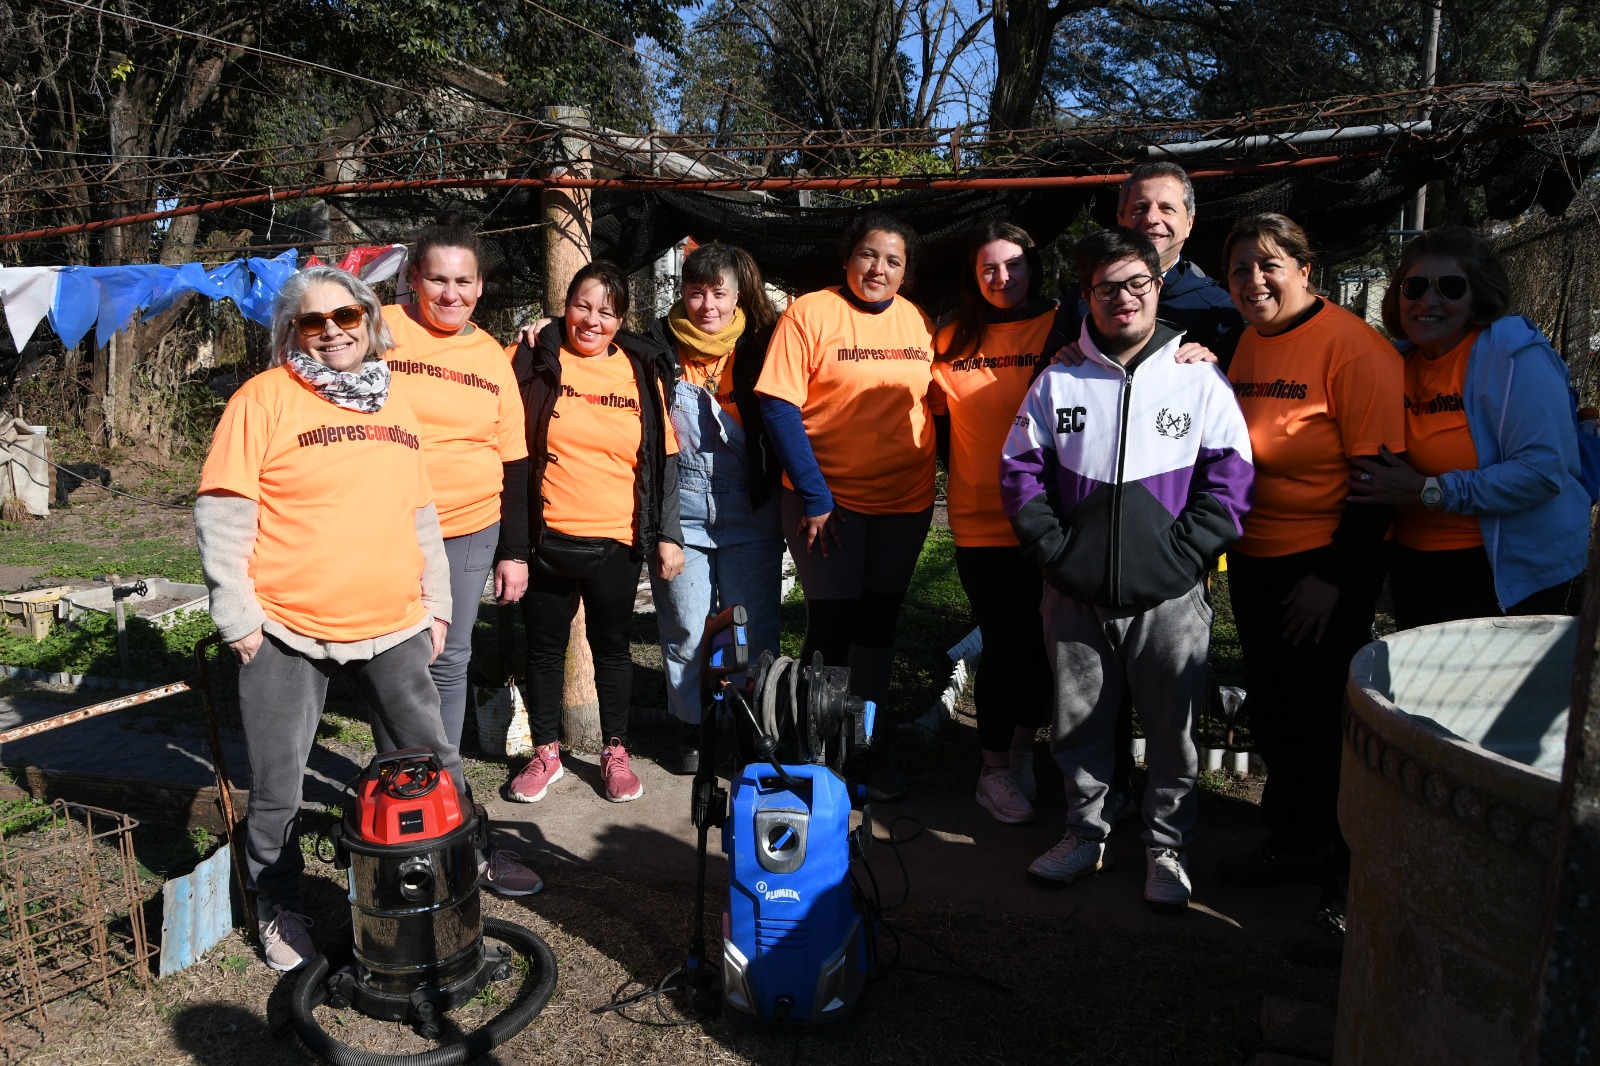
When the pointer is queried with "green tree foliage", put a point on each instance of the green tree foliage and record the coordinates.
(1179, 58)
(93, 103)
(827, 64)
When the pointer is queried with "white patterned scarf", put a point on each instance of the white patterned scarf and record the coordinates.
(365, 390)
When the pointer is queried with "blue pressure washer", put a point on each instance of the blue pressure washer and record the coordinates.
(797, 945)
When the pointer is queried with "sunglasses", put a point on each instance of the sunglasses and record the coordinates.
(311, 323)
(1450, 286)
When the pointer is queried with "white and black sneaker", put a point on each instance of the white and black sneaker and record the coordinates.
(1166, 879)
(1069, 860)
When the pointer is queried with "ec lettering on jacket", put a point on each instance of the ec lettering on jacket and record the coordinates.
(1070, 419)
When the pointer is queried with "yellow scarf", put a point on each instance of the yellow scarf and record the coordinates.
(698, 346)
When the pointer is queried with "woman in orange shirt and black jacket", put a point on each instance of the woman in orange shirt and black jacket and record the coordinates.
(603, 498)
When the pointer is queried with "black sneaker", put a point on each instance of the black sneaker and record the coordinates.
(1319, 942)
(1270, 866)
(684, 758)
(884, 783)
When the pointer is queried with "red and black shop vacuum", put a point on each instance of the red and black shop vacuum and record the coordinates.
(410, 854)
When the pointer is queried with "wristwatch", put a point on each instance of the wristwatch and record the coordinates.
(1432, 494)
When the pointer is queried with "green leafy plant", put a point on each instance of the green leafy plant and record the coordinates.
(89, 646)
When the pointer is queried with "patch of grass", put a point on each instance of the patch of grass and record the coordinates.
(89, 646)
(346, 730)
(21, 815)
(164, 852)
(167, 556)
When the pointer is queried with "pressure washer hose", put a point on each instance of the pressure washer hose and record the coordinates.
(311, 991)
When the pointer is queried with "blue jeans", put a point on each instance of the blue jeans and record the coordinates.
(732, 555)
(714, 579)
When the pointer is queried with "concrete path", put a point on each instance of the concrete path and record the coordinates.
(961, 858)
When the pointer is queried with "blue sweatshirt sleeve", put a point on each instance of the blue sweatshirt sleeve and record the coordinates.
(786, 429)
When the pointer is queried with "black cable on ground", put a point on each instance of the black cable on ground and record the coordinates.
(656, 993)
(873, 909)
(311, 991)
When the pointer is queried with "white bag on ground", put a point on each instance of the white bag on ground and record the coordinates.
(503, 723)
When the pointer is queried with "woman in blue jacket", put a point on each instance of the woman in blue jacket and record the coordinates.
(1491, 518)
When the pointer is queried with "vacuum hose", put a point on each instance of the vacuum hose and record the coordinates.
(311, 991)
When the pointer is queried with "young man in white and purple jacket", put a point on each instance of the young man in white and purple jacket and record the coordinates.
(1126, 477)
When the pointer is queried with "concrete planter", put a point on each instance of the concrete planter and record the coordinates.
(1453, 749)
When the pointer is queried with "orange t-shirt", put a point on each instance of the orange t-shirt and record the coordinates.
(336, 555)
(861, 383)
(1438, 441)
(1313, 397)
(467, 400)
(982, 391)
(593, 444)
(699, 373)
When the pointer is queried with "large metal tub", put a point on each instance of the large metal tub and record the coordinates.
(1454, 744)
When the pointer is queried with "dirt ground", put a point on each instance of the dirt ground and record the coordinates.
(971, 984)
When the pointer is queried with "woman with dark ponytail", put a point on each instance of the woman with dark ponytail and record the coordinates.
(984, 361)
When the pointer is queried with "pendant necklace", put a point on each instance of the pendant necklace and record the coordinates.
(714, 376)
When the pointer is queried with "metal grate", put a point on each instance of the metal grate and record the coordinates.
(71, 918)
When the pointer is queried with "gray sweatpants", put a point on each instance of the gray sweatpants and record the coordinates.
(1156, 655)
(280, 703)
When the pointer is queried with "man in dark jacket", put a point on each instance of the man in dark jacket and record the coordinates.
(1157, 199)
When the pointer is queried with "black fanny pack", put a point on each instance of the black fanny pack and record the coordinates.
(576, 558)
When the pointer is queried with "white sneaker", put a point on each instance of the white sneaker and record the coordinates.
(1070, 860)
(1022, 770)
(1166, 879)
(999, 795)
(285, 941)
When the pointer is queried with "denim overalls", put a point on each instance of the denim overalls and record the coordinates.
(731, 554)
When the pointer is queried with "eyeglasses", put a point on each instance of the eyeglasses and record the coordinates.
(1137, 285)
(1450, 286)
(312, 322)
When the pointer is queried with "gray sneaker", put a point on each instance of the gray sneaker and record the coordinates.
(1070, 860)
(285, 940)
(505, 874)
(1166, 879)
(999, 795)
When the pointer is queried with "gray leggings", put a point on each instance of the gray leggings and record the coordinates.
(281, 693)
(471, 561)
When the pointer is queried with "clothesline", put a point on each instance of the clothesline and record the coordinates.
(77, 298)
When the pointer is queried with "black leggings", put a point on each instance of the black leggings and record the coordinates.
(548, 610)
(1295, 692)
(1013, 687)
(1442, 586)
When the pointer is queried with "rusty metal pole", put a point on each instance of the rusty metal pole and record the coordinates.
(566, 250)
(1567, 1027)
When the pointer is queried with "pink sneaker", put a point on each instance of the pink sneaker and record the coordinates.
(622, 784)
(543, 770)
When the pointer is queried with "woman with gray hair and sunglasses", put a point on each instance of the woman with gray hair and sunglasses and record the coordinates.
(321, 547)
(1489, 513)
